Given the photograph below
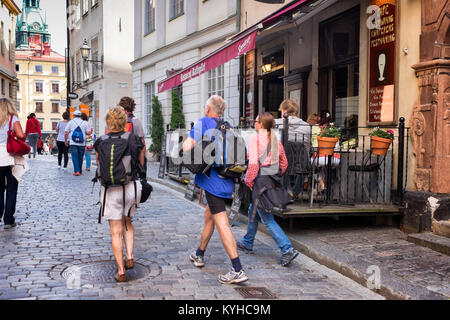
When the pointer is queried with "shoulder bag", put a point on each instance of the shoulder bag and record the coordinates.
(14, 145)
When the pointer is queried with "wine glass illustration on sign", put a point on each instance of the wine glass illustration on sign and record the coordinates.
(381, 65)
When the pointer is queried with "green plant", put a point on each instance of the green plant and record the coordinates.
(157, 126)
(177, 116)
(330, 132)
(377, 132)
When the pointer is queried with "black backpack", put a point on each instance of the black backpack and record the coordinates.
(117, 166)
(230, 146)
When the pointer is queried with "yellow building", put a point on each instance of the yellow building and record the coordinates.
(42, 86)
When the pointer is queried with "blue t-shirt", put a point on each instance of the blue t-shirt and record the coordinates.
(215, 184)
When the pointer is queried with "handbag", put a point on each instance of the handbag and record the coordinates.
(14, 145)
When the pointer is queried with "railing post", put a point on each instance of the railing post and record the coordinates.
(285, 132)
(401, 157)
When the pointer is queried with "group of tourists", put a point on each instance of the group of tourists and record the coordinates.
(121, 191)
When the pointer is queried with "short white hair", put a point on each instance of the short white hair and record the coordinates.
(217, 104)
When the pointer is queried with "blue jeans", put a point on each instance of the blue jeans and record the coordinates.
(77, 153)
(272, 226)
(88, 160)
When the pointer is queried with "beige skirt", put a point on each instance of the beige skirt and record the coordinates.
(114, 201)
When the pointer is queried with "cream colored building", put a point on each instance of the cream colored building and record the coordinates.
(42, 87)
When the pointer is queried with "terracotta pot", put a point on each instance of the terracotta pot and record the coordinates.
(326, 145)
(380, 146)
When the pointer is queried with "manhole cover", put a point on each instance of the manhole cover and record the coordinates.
(99, 272)
(255, 293)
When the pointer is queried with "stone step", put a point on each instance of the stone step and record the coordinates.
(432, 241)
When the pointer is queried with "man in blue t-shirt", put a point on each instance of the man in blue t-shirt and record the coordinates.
(217, 189)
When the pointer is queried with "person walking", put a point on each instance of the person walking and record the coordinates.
(217, 189)
(8, 182)
(77, 129)
(90, 140)
(265, 143)
(33, 133)
(50, 141)
(121, 227)
(63, 150)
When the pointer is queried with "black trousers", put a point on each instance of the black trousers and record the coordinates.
(10, 184)
(62, 150)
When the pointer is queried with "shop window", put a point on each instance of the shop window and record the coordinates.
(339, 69)
(216, 81)
(149, 92)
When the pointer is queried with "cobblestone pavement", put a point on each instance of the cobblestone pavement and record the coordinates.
(388, 248)
(57, 228)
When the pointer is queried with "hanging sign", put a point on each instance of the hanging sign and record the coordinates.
(382, 43)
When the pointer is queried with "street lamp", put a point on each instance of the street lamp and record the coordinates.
(85, 51)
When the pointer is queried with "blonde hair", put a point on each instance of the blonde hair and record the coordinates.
(116, 118)
(290, 107)
(217, 104)
(7, 110)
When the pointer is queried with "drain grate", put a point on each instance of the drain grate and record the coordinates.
(255, 293)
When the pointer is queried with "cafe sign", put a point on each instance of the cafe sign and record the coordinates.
(382, 41)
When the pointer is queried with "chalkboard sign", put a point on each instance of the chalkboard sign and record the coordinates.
(191, 189)
(162, 163)
(233, 216)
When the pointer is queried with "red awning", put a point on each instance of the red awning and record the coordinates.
(239, 46)
(278, 15)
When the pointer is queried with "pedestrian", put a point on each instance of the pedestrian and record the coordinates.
(275, 156)
(40, 146)
(50, 141)
(33, 133)
(118, 213)
(217, 189)
(90, 140)
(63, 150)
(8, 176)
(134, 125)
(77, 129)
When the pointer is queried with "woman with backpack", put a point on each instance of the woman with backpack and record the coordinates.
(119, 202)
(266, 156)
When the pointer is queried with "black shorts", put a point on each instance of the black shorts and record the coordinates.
(215, 204)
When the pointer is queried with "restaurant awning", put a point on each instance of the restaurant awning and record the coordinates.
(238, 45)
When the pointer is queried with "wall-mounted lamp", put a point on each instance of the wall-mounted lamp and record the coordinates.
(267, 68)
(85, 52)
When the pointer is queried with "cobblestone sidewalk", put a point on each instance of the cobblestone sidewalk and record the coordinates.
(57, 229)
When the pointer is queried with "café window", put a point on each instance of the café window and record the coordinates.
(273, 84)
(339, 68)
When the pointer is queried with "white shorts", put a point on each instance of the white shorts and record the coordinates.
(114, 201)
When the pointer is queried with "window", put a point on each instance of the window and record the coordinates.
(10, 88)
(41, 123)
(39, 107)
(55, 107)
(85, 7)
(18, 85)
(94, 52)
(55, 69)
(39, 86)
(54, 125)
(3, 86)
(18, 105)
(176, 8)
(78, 66)
(149, 92)
(38, 68)
(55, 87)
(216, 81)
(94, 3)
(149, 16)
(17, 67)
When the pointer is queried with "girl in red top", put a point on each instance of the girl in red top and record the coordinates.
(257, 149)
(33, 133)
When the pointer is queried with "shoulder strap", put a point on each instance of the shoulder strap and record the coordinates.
(266, 154)
(10, 122)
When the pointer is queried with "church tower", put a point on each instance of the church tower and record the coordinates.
(32, 26)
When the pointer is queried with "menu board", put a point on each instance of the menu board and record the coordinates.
(250, 60)
(382, 42)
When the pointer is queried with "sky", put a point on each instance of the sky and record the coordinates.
(56, 20)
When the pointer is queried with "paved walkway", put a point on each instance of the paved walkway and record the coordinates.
(57, 228)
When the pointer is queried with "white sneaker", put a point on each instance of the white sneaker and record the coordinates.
(59, 167)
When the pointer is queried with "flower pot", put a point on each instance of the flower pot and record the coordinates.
(326, 145)
(380, 146)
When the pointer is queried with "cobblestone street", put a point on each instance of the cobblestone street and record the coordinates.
(57, 229)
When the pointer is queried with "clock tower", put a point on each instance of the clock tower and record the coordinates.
(32, 26)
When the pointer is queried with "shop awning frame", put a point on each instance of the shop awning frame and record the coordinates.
(238, 45)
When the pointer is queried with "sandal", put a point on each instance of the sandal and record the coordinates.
(129, 264)
(120, 277)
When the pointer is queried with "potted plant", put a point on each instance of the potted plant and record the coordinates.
(381, 140)
(327, 139)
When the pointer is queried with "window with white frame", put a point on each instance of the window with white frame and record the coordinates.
(149, 16)
(216, 81)
(85, 6)
(94, 3)
(94, 53)
(176, 8)
(149, 92)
